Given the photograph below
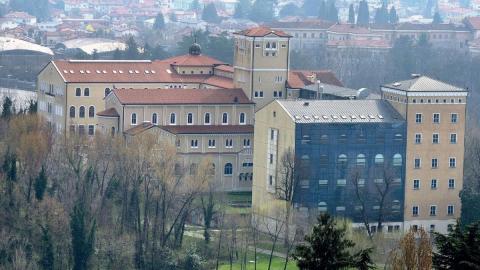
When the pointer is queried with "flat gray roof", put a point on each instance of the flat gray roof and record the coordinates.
(341, 111)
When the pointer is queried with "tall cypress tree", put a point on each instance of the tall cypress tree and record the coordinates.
(351, 14)
(382, 16)
(437, 19)
(47, 257)
(332, 11)
(392, 16)
(40, 184)
(210, 14)
(322, 10)
(363, 17)
(83, 236)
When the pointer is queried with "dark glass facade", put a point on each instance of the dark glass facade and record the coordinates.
(343, 164)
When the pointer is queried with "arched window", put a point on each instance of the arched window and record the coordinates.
(134, 119)
(172, 119)
(397, 160)
(190, 118)
(379, 159)
(342, 159)
(154, 119)
(268, 45)
(206, 119)
(361, 160)
(72, 112)
(81, 112)
(91, 112)
(225, 118)
(113, 131)
(78, 92)
(107, 91)
(274, 45)
(228, 169)
(86, 92)
(242, 118)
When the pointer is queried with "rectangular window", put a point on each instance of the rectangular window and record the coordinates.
(435, 138)
(453, 138)
(190, 118)
(246, 143)
(454, 118)
(418, 118)
(274, 93)
(433, 184)
(434, 163)
(415, 211)
(72, 129)
(91, 130)
(81, 130)
(418, 138)
(194, 143)
(451, 183)
(417, 163)
(450, 210)
(341, 182)
(433, 210)
(452, 162)
(416, 184)
(261, 94)
(271, 159)
(436, 118)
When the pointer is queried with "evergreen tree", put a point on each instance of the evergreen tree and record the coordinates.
(47, 257)
(40, 184)
(195, 6)
(210, 14)
(173, 17)
(290, 9)
(402, 57)
(322, 10)
(332, 14)
(159, 53)
(351, 14)
(159, 23)
(437, 19)
(83, 236)
(117, 54)
(32, 106)
(363, 17)
(262, 11)
(131, 53)
(392, 16)
(427, 13)
(7, 108)
(460, 249)
(381, 15)
(470, 207)
(310, 7)
(327, 248)
(95, 54)
(242, 9)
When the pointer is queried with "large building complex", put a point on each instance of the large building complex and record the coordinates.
(399, 156)
(402, 155)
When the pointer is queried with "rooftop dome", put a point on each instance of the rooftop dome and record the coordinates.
(195, 49)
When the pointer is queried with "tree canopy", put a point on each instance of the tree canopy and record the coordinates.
(159, 22)
(363, 16)
(210, 14)
(328, 248)
(262, 11)
(351, 14)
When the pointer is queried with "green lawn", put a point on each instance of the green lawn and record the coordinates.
(262, 263)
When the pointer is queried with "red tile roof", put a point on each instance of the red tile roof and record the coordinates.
(133, 72)
(202, 129)
(473, 22)
(197, 129)
(301, 78)
(192, 60)
(181, 96)
(261, 31)
(111, 112)
(345, 28)
(225, 68)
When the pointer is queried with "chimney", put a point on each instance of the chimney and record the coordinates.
(415, 75)
(306, 103)
(235, 99)
(319, 90)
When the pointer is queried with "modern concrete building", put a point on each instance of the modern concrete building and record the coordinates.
(409, 145)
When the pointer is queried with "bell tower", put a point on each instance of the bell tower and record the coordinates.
(261, 64)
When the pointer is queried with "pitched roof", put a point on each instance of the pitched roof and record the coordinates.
(225, 68)
(196, 129)
(340, 111)
(192, 60)
(303, 24)
(202, 129)
(125, 71)
(424, 84)
(301, 78)
(430, 26)
(111, 112)
(473, 22)
(347, 28)
(219, 81)
(261, 31)
(360, 43)
(181, 96)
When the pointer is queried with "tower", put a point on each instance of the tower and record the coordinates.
(261, 64)
(435, 113)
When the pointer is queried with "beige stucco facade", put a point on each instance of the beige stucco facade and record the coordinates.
(261, 67)
(432, 190)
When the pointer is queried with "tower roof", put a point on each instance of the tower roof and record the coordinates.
(424, 84)
(262, 31)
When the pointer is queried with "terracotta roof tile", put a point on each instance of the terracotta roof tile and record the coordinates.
(225, 68)
(345, 28)
(111, 112)
(219, 81)
(192, 60)
(473, 22)
(261, 31)
(201, 129)
(139, 129)
(301, 78)
(181, 96)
